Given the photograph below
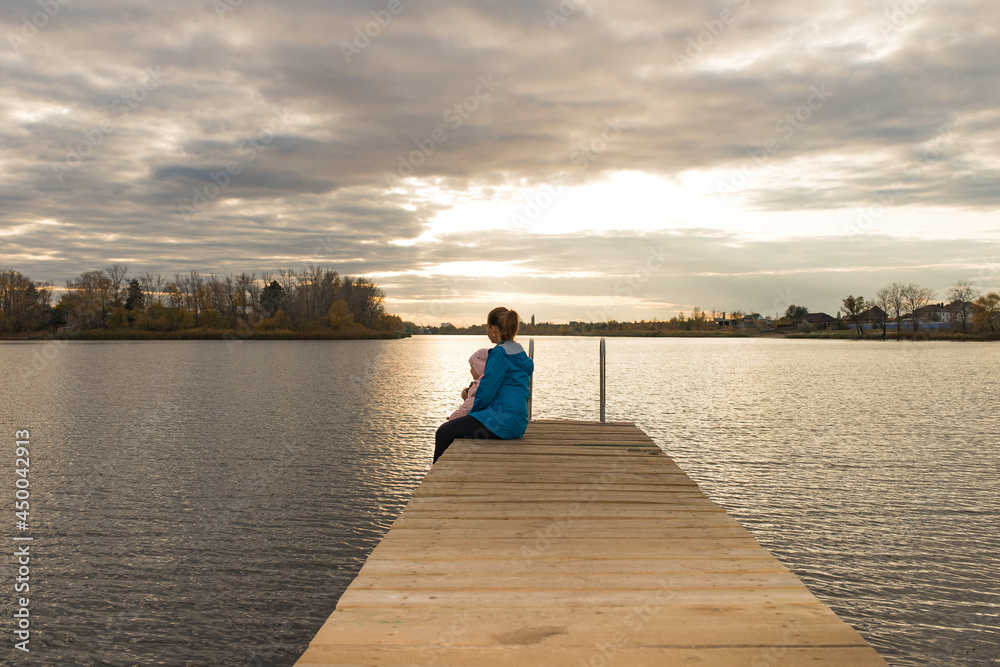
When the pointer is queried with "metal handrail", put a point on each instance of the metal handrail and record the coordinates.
(602, 362)
(531, 378)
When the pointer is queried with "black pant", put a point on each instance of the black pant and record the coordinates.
(463, 427)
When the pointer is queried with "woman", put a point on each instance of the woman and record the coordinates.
(500, 409)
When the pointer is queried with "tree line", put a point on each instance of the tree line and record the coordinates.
(313, 298)
(24, 303)
(898, 302)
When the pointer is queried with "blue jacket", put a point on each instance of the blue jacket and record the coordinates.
(501, 402)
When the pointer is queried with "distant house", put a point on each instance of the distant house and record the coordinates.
(944, 315)
(874, 316)
(872, 319)
(932, 312)
(817, 320)
(745, 321)
(955, 308)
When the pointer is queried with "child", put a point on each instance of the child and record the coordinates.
(477, 363)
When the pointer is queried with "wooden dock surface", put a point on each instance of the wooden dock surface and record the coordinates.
(581, 544)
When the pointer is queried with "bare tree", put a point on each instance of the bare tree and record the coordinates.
(88, 297)
(194, 294)
(916, 297)
(146, 281)
(152, 289)
(288, 280)
(23, 302)
(174, 292)
(181, 290)
(965, 292)
(317, 290)
(116, 274)
(896, 304)
(214, 303)
(248, 294)
(884, 301)
(231, 299)
(697, 319)
(364, 299)
(855, 307)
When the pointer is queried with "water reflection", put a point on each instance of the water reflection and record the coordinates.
(208, 502)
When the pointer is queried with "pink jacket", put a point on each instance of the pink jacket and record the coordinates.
(478, 363)
(465, 407)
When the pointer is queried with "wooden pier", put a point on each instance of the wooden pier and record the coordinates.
(581, 544)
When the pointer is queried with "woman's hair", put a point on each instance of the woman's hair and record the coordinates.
(506, 321)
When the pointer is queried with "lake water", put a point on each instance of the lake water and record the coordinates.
(206, 503)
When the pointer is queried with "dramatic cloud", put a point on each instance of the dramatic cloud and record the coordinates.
(528, 152)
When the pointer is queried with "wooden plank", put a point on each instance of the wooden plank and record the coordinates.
(542, 550)
(502, 476)
(430, 508)
(498, 473)
(570, 456)
(542, 453)
(755, 564)
(676, 627)
(553, 461)
(567, 440)
(576, 535)
(481, 598)
(504, 656)
(571, 423)
(552, 468)
(538, 490)
(412, 521)
(550, 454)
(535, 581)
(632, 482)
(530, 446)
(580, 495)
(568, 471)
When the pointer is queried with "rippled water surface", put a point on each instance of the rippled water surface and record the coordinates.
(206, 503)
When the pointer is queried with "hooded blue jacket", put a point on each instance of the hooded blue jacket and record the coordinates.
(501, 402)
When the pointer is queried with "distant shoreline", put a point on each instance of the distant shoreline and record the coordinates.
(921, 335)
(212, 334)
(368, 334)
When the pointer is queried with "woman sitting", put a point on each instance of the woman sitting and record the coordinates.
(500, 409)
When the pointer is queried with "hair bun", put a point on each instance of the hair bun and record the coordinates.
(507, 321)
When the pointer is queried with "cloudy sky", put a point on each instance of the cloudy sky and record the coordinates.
(587, 160)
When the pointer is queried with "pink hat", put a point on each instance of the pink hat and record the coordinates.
(478, 360)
